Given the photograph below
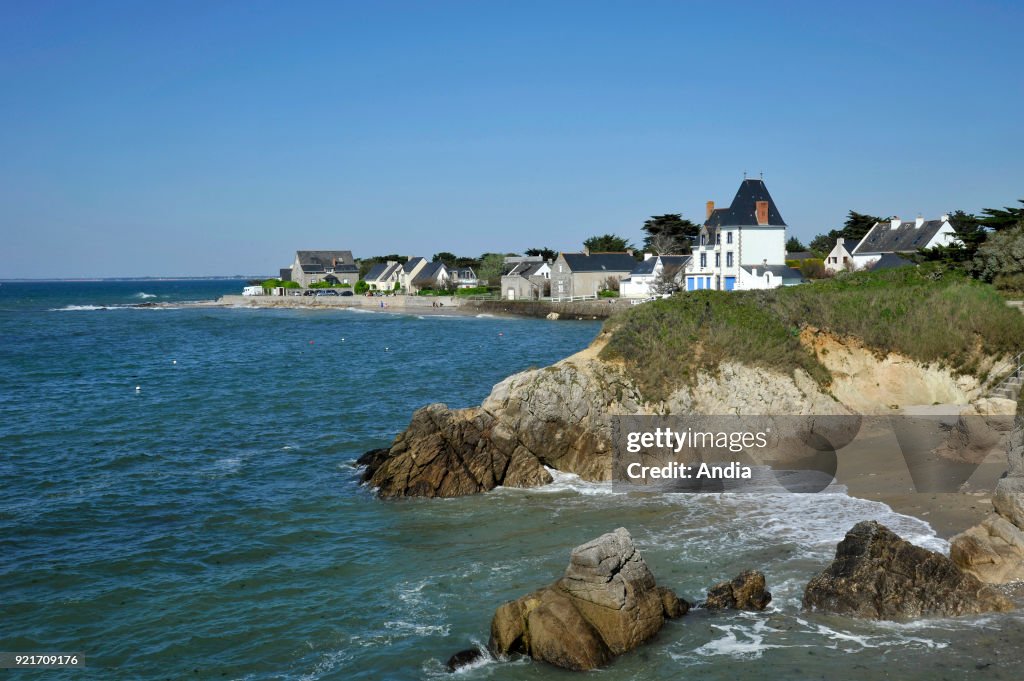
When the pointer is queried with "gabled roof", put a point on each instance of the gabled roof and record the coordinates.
(849, 244)
(321, 261)
(411, 264)
(799, 255)
(889, 261)
(782, 271)
(600, 262)
(382, 271)
(743, 209)
(906, 238)
(648, 265)
(429, 274)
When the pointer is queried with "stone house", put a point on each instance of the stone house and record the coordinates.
(586, 273)
(527, 280)
(334, 267)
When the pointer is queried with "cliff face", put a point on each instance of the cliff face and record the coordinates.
(561, 416)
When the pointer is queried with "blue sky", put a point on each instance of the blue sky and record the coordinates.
(191, 138)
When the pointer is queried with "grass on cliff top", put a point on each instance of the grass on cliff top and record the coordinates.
(927, 315)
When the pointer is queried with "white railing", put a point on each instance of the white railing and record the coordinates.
(572, 299)
(1017, 373)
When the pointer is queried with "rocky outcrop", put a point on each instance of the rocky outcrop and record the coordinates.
(606, 604)
(993, 551)
(448, 453)
(878, 575)
(744, 592)
(561, 416)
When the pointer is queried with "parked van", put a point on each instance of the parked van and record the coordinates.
(252, 291)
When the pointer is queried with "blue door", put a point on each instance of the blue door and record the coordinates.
(689, 283)
(730, 283)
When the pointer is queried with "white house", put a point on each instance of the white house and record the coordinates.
(383, 275)
(899, 236)
(841, 255)
(640, 282)
(734, 242)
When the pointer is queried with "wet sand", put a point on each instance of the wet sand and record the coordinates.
(873, 467)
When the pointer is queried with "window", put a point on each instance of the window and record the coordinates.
(728, 257)
(728, 237)
(703, 239)
(703, 260)
(718, 259)
(845, 259)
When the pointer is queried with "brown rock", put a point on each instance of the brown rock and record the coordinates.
(745, 592)
(878, 575)
(446, 453)
(606, 604)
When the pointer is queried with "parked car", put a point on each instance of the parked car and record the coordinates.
(326, 292)
(346, 292)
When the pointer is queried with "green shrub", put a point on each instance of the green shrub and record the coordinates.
(473, 291)
(925, 314)
(608, 294)
(362, 286)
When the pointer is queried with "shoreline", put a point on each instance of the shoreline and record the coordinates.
(867, 472)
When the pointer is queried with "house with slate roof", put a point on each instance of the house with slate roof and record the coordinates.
(527, 280)
(841, 256)
(742, 246)
(586, 273)
(433, 275)
(409, 271)
(333, 267)
(902, 236)
(640, 282)
(383, 275)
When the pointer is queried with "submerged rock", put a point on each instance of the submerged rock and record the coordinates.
(463, 658)
(745, 592)
(878, 575)
(606, 604)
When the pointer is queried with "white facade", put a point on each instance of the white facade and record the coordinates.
(902, 236)
(840, 258)
(749, 232)
(640, 282)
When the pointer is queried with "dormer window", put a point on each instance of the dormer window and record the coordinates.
(728, 237)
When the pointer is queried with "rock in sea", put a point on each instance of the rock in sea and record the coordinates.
(745, 592)
(606, 604)
(878, 575)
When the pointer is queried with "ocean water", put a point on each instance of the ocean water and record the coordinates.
(210, 524)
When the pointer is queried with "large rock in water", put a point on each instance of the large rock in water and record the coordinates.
(878, 575)
(606, 604)
(994, 550)
(446, 453)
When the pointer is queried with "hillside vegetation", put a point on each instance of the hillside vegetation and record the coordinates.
(924, 314)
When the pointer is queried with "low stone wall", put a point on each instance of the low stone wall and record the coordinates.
(369, 303)
(585, 309)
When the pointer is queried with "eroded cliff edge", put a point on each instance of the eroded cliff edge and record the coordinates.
(870, 344)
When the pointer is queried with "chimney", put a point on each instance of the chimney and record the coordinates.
(586, 251)
(762, 212)
(918, 222)
(945, 217)
(334, 262)
(840, 241)
(711, 209)
(629, 251)
(894, 223)
(647, 255)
